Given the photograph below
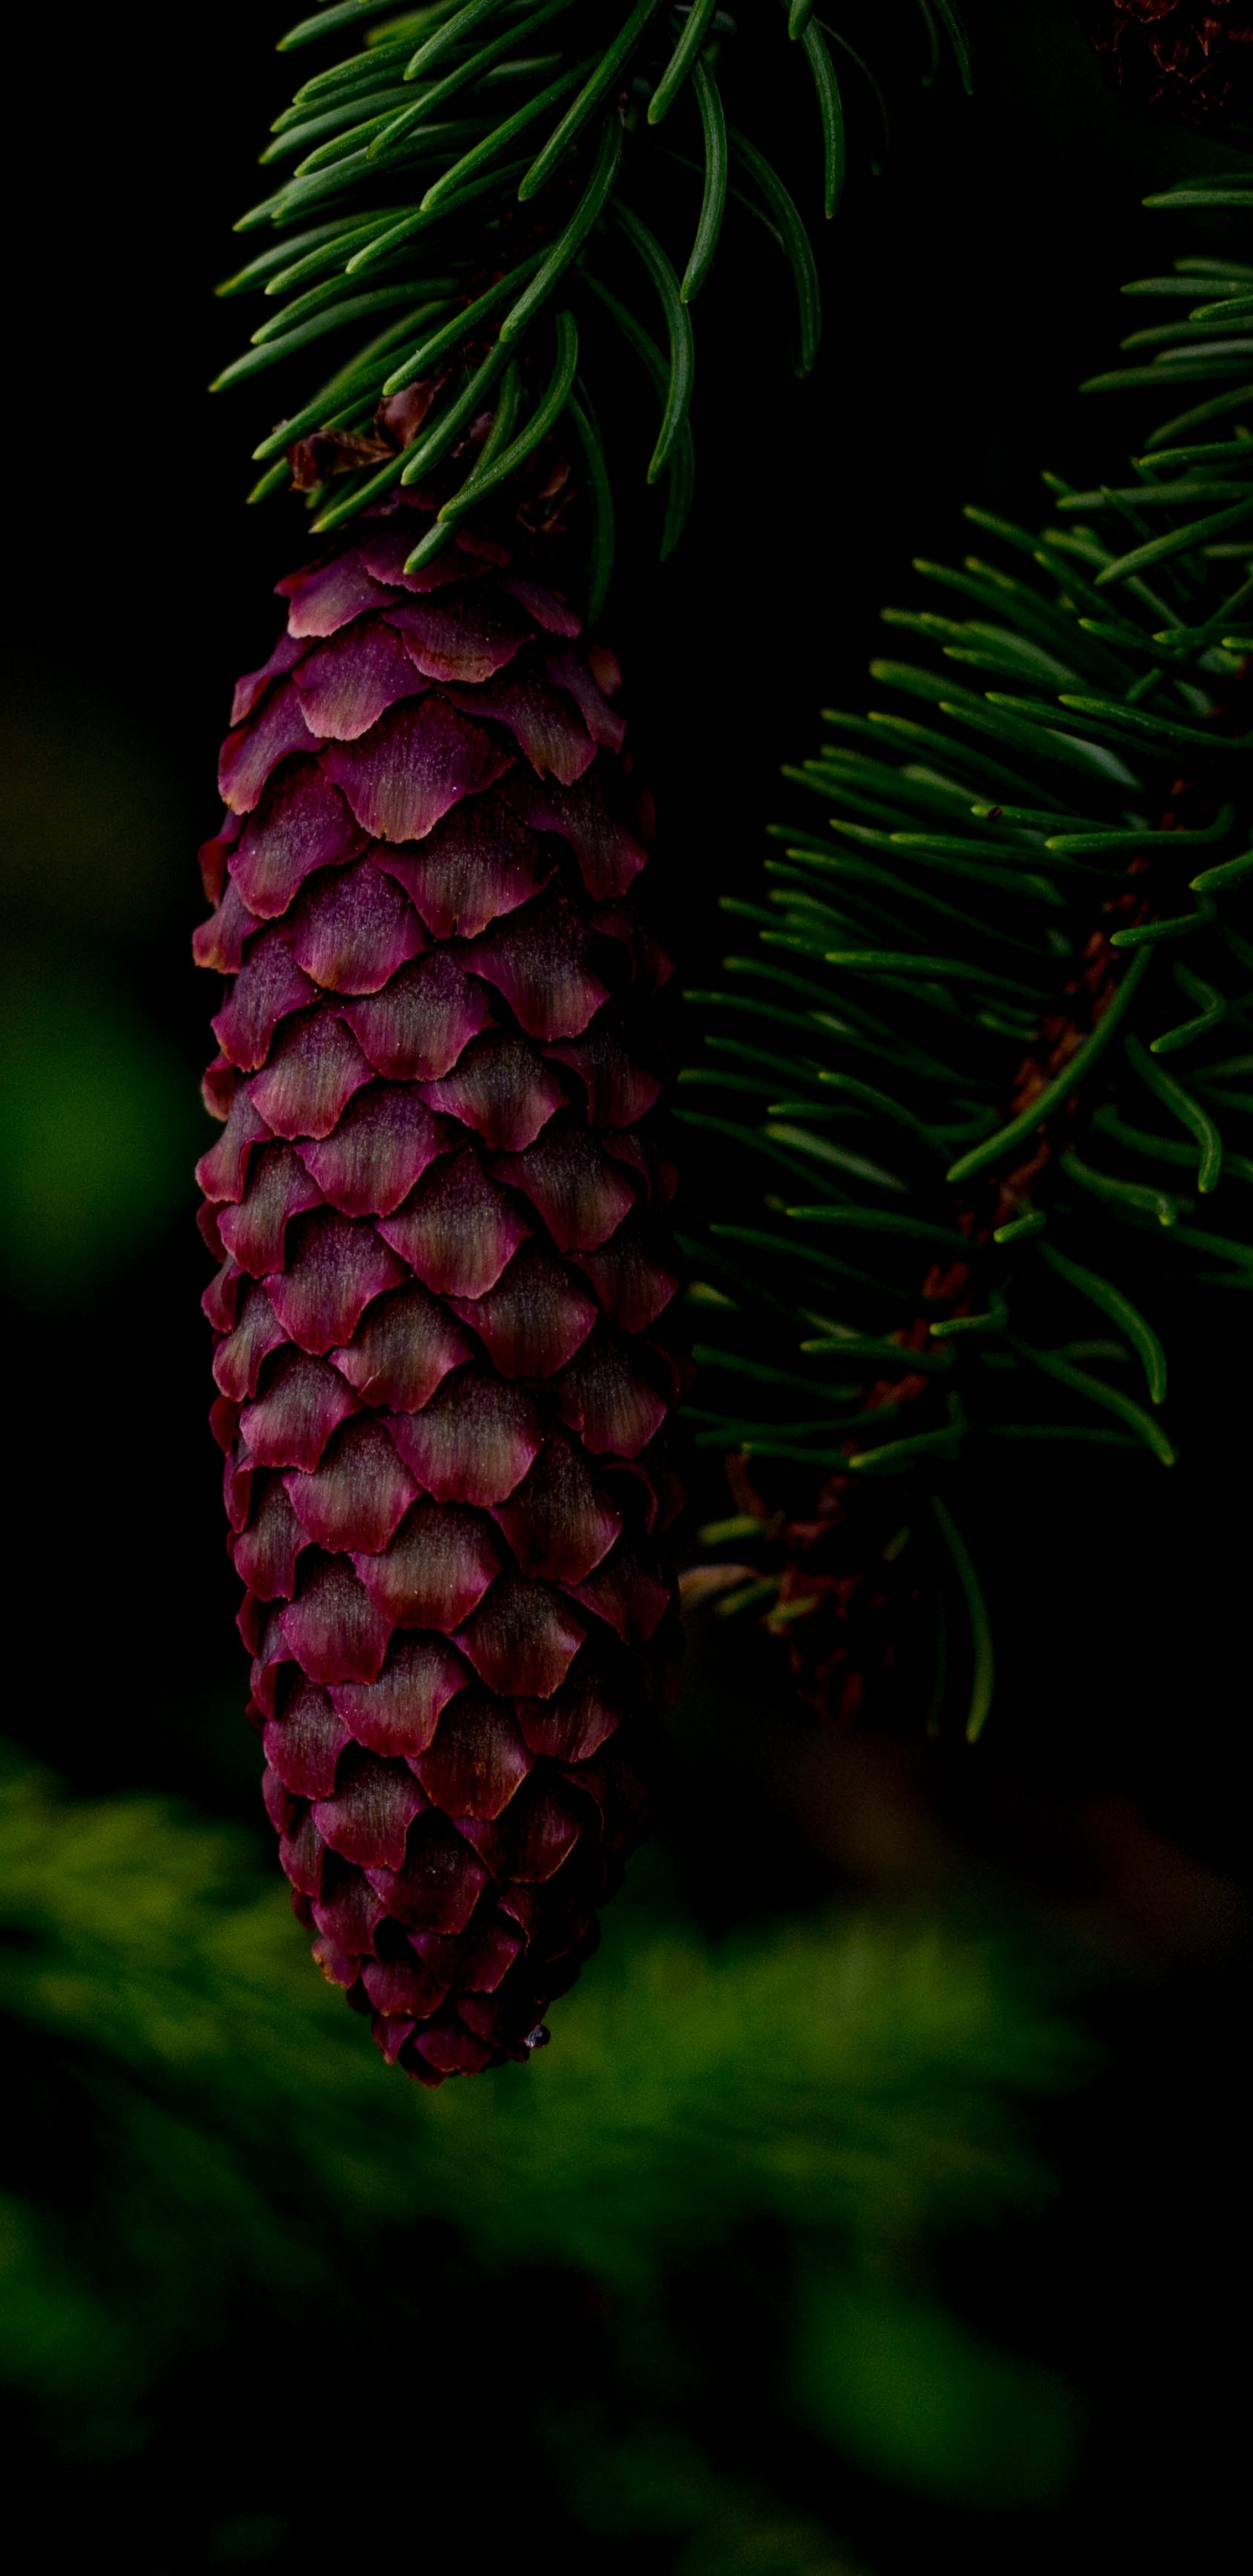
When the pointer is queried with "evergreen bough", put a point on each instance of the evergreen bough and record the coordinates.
(984, 1067)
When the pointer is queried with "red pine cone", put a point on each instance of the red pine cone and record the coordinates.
(1194, 56)
(438, 1209)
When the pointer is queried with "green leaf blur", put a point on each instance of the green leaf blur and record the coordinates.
(97, 1136)
(906, 2389)
(854, 2084)
(99, 1128)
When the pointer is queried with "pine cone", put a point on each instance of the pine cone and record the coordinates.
(1193, 56)
(438, 1208)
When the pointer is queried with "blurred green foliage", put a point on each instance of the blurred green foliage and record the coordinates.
(99, 1127)
(905, 2388)
(655, 2482)
(199, 2118)
(98, 1134)
(88, 823)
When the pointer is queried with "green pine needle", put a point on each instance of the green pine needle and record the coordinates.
(1003, 1044)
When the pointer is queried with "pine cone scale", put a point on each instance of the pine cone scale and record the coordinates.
(443, 1259)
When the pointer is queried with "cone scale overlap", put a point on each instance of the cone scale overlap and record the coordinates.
(440, 1215)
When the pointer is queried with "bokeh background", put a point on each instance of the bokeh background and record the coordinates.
(878, 2201)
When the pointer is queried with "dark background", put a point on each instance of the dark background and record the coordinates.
(967, 291)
